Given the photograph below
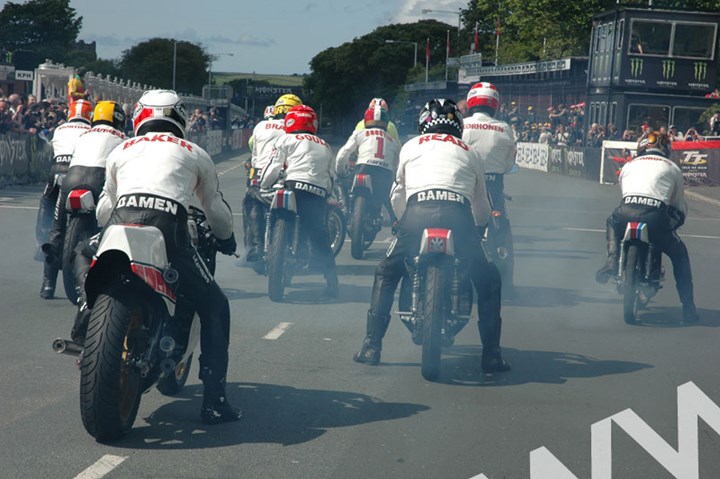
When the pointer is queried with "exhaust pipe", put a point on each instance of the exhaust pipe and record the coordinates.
(66, 346)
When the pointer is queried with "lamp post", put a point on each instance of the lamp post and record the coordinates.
(457, 12)
(409, 43)
(174, 62)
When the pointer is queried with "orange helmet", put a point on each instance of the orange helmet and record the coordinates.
(80, 110)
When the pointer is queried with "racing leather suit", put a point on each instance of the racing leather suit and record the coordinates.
(307, 161)
(653, 192)
(439, 184)
(377, 155)
(63, 143)
(87, 170)
(254, 206)
(172, 171)
(495, 144)
(391, 129)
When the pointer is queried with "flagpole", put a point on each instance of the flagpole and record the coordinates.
(497, 40)
(427, 58)
(447, 55)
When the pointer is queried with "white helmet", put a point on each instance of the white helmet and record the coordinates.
(483, 94)
(160, 110)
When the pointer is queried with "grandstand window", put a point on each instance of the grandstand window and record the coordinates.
(694, 40)
(621, 34)
(650, 38)
(685, 117)
(655, 115)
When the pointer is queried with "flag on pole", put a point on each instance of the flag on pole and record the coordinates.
(498, 29)
(427, 50)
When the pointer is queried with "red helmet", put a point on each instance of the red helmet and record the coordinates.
(483, 94)
(80, 110)
(301, 119)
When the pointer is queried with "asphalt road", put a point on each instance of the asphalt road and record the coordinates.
(311, 412)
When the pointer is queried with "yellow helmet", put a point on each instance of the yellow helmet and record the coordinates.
(109, 113)
(285, 102)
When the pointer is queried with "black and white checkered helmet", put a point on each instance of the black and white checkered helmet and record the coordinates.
(440, 116)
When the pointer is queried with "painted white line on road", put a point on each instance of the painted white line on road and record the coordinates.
(220, 173)
(587, 230)
(102, 467)
(277, 331)
(479, 476)
(19, 207)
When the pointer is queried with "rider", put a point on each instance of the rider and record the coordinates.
(254, 207)
(377, 154)
(308, 171)
(63, 143)
(87, 168)
(159, 163)
(653, 193)
(391, 129)
(493, 140)
(438, 162)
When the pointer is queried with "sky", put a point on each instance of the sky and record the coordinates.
(263, 36)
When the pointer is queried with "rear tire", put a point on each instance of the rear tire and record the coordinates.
(630, 293)
(277, 258)
(358, 226)
(110, 389)
(337, 229)
(433, 314)
(79, 228)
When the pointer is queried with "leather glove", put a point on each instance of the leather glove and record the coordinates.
(227, 246)
(394, 228)
(677, 218)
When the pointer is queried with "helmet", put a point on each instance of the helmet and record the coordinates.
(654, 143)
(376, 117)
(301, 119)
(268, 113)
(109, 113)
(483, 94)
(379, 102)
(285, 103)
(80, 110)
(440, 116)
(160, 110)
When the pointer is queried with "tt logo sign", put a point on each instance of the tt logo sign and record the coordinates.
(694, 158)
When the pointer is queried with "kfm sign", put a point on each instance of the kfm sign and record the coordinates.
(23, 75)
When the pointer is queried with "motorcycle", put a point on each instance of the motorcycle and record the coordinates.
(81, 225)
(640, 270)
(364, 224)
(499, 244)
(286, 252)
(441, 298)
(141, 333)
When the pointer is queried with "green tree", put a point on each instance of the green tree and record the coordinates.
(151, 63)
(48, 28)
(343, 79)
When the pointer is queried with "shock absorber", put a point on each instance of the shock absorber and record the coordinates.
(415, 287)
(455, 288)
(296, 235)
(268, 231)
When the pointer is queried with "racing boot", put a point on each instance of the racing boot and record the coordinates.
(685, 291)
(493, 362)
(372, 344)
(610, 267)
(82, 319)
(215, 407)
(490, 324)
(50, 274)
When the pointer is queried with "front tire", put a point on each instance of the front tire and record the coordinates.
(358, 227)
(630, 293)
(79, 228)
(277, 258)
(433, 314)
(110, 388)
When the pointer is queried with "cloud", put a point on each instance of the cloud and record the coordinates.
(411, 10)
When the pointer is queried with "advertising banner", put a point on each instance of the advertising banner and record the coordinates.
(699, 160)
(557, 161)
(533, 156)
(614, 155)
(667, 73)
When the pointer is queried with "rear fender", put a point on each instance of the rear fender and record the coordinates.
(437, 241)
(636, 231)
(80, 201)
(361, 182)
(284, 199)
(126, 250)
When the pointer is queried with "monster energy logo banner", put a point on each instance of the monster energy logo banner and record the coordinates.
(636, 67)
(700, 71)
(668, 69)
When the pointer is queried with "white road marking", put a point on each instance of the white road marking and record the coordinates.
(19, 207)
(102, 467)
(277, 331)
(220, 173)
(590, 230)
